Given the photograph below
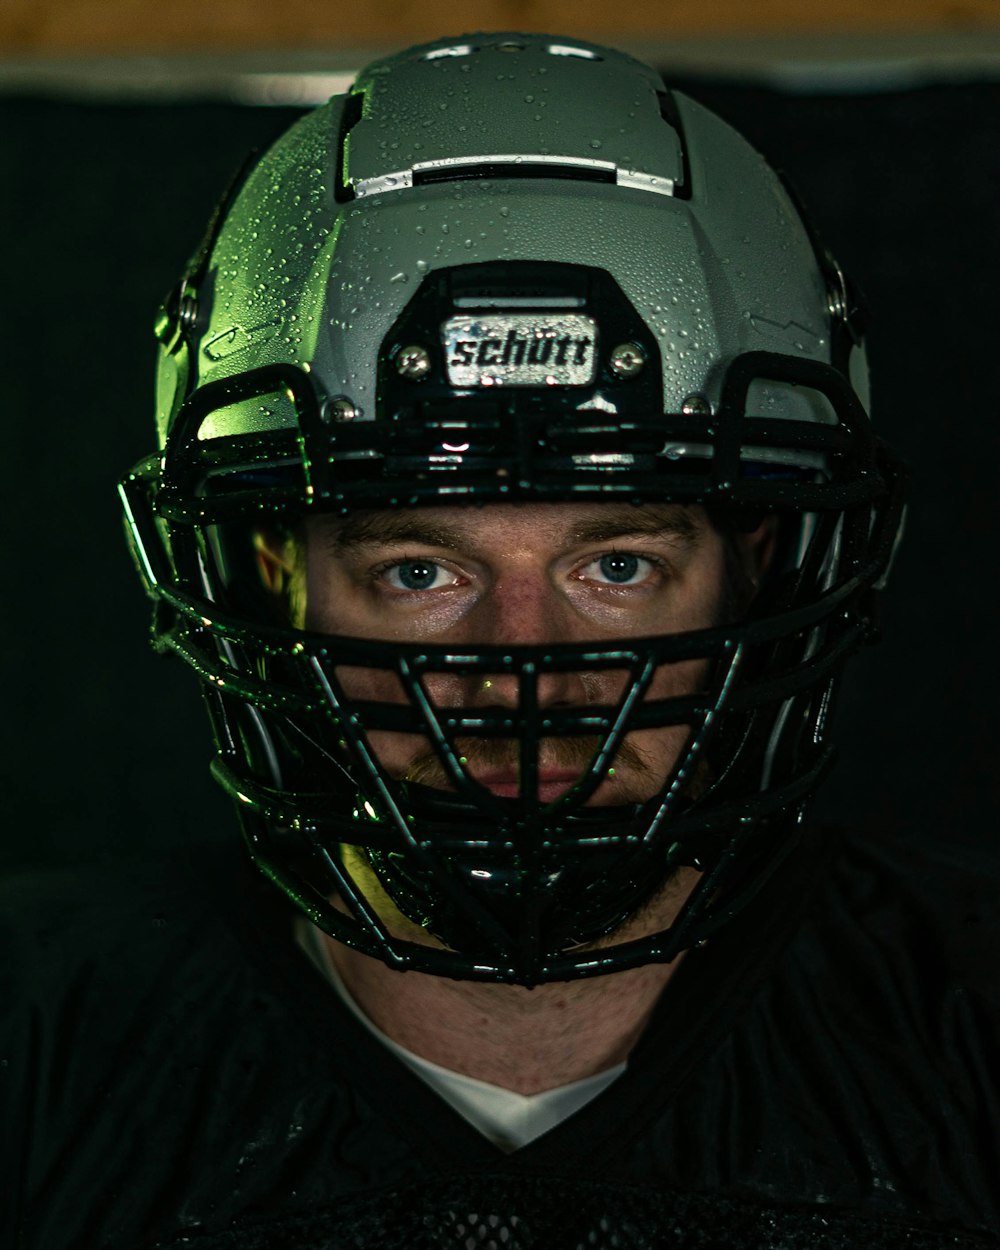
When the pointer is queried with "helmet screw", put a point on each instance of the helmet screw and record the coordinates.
(696, 406)
(187, 310)
(340, 409)
(627, 360)
(413, 362)
(837, 298)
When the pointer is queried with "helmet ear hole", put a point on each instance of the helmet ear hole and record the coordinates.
(758, 545)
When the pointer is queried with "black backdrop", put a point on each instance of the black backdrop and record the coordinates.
(104, 746)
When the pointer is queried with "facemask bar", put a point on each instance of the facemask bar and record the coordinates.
(529, 456)
(276, 676)
(358, 830)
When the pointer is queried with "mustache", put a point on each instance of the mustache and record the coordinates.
(504, 753)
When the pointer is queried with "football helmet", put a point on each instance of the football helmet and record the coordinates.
(512, 268)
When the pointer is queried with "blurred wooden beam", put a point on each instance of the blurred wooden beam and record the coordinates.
(56, 27)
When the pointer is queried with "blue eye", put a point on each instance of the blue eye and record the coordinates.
(415, 575)
(619, 569)
(619, 566)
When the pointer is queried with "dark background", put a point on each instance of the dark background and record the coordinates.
(105, 749)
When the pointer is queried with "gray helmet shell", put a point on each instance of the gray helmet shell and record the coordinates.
(330, 235)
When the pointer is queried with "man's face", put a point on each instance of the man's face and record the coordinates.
(516, 574)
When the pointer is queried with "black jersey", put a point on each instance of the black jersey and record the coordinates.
(175, 1073)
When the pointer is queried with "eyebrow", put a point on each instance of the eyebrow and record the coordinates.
(375, 529)
(379, 529)
(650, 520)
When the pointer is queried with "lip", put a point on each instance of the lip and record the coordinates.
(552, 783)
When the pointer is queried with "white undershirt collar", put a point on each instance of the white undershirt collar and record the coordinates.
(509, 1120)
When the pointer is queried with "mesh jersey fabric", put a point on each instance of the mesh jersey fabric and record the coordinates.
(823, 1073)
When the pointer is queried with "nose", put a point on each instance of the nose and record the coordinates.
(523, 610)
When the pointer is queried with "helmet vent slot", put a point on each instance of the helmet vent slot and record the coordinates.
(535, 165)
(672, 116)
(516, 169)
(354, 107)
(456, 49)
(568, 49)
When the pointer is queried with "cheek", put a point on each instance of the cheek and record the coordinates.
(701, 607)
(648, 756)
(322, 609)
(331, 602)
(393, 750)
(396, 751)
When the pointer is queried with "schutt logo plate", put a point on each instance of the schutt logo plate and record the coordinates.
(524, 349)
